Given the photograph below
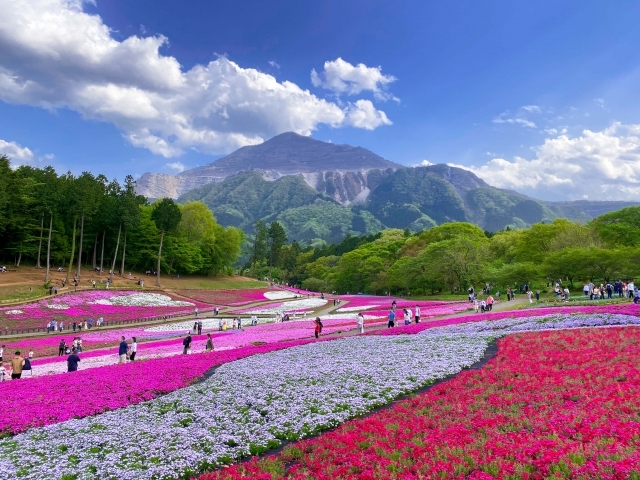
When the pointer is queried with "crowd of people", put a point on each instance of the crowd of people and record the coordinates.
(407, 315)
(54, 326)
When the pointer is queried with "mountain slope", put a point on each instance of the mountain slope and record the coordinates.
(345, 173)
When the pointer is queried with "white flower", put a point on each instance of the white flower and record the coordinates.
(143, 300)
(357, 309)
(58, 306)
(289, 306)
(13, 312)
(279, 295)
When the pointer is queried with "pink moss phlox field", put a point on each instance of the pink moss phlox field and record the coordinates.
(621, 309)
(81, 307)
(51, 399)
(227, 297)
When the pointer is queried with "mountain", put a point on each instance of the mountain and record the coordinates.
(344, 173)
(415, 198)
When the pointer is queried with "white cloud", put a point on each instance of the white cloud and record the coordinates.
(532, 109)
(177, 166)
(604, 165)
(20, 155)
(274, 64)
(599, 102)
(424, 163)
(363, 114)
(342, 77)
(16, 152)
(54, 55)
(515, 121)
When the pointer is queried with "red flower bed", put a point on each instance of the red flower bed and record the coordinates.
(562, 404)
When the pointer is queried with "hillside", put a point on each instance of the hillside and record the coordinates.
(415, 198)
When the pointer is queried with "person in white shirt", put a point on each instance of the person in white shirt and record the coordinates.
(361, 322)
(133, 349)
(630, 289)
(417, 314)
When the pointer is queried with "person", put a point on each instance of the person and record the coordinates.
(86, 325)
(476, 305)
(196, 311)
(417, 314)
(224, 325)
(61, 348)
(195, 327)
(26, 367)
(537, 295)
(122, 350)
(61, 326)
(393, 305)
(72, 362)
(235, 324)
(16, 366)
(318, 327)
(31, 354)
(215, 312)
(239, 323)
(219, 324)
(490, 302)
(530, 296)
(209, 345)
(133, 349)
(361, 322)
(407, 316)
(200, 327)
(483, 306)
(392, 318)
(187, 344)
(75, 326)
(2, 353)
(90, 323)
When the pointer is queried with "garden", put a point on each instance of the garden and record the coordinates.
(558, 400)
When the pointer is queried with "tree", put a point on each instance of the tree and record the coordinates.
(166, 215)
(619, 228)
(275, 241)
(260, 242)
(129, 207)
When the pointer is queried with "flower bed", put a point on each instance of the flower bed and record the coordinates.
(550, 405)
(111, 305)
(244, 408)
(226, 297)
(51, 399)
(302, 305)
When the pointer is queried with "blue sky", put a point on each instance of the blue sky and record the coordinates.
(541, 97)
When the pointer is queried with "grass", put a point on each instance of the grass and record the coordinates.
(14, 293)
(208, 283)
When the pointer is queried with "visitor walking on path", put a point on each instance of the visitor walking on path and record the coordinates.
(417, 314)
(318, 329)
(16, 366)
(122, 350)
(407, 317)
(187, 344)
(209, 345)
(200, 327)
(134, 349)
(392, 318)
(72, 362)
(61, 348)
(361, 322)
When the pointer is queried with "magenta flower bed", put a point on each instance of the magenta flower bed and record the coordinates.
(51, 399)
(81, 307)
(624, 309)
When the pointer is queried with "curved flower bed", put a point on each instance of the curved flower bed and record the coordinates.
(550, 405)
(52, 399)
(244, 408)
(292, 306)
(111, 305)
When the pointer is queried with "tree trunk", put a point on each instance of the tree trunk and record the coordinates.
(40, 244)
(159, 257)
(102, 254)
(115, 255)
(80, 248)
(124, 251)
(19, 257)
(46, 275)
(95, 253)
(73, 249)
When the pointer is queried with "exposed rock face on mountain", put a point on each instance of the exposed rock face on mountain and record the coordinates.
(342, 172)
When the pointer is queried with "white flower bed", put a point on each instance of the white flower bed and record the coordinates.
(13, 312)
(207, 323)
(247, 406)
(58, 306)
(279, 295)
(143, 300)
(307, 303)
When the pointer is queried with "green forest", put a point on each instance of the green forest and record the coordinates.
(67, 221)
(454, 256)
